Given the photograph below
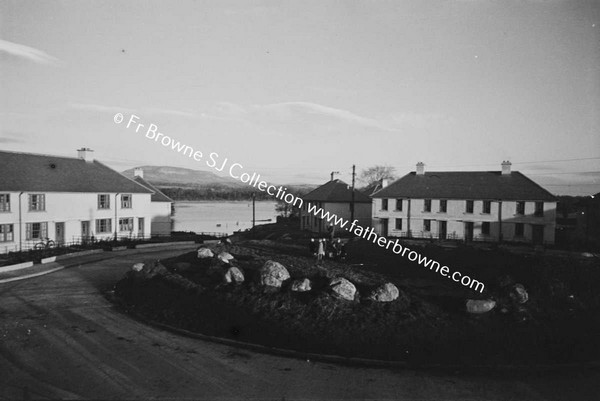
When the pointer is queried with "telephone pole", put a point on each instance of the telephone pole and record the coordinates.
(352, 203)
(253, 209)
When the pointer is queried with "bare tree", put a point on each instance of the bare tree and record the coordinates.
(375, 173)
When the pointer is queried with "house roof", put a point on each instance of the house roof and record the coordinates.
(157, 196)
(466, 185)
(45, 173)
(370, 189)
(335, 191)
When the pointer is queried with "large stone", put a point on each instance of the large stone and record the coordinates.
(225, 257)
(302, 285)
(273, 274)
(387, 292)
(342, 288)
(519, 294)
(204, 253)
(138, 267)
(480, 305)
(233, 275)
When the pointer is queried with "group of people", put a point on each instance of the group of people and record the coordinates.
(327, 248)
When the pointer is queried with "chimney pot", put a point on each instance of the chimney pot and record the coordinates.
(85, 154)
(506, 167)
(384, 182)
(420, 168)
(138, 172)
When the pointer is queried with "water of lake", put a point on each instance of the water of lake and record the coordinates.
(221, 216)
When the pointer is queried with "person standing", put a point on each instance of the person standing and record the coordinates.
(320, 251)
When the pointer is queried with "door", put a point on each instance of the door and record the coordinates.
(384, 227)
(468, 231)
(140, 227)
(85, 231)
(538, 234)
(442, 229)
(59, 233)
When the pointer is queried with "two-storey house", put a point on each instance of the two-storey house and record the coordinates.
(334, 197)
(468, 205)
(67, 200)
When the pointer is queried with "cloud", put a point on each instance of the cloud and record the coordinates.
(116, 109)
(291, 109)
(12, 137)
(35, 55)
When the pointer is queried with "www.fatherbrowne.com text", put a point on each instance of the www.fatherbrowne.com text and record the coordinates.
(236, 171)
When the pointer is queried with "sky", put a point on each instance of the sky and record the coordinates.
(294, 90)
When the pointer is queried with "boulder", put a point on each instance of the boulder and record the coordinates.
(137, 267)
(302, 285)
(480, 305)
(225, 257)
(204, 253)
(387, 292)
(519, 294)
(342, 288)
(272, 274)
(233, 275)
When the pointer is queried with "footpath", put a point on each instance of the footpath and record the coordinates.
(27, 270)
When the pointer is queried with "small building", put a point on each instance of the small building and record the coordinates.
(161, 206)
(334, 197)
(67, 200)
(467, 205)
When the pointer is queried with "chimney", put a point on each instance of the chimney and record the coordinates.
(384, 182)
(420, 168)
(85, 154)
(506, 167)
(138, 172)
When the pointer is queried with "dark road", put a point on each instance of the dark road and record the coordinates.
(61, 338)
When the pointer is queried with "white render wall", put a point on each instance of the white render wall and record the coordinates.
(71, 209)
(161, 222)
(456, 216)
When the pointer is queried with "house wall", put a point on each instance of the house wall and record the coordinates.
(308, 221)
(71, 209)
(161, 223)
(502, 219)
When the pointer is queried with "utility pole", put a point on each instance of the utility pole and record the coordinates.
(332, 173)
(253, 208)
(352, 203)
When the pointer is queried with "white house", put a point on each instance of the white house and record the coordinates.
(334, 197)
(468, 205)
(67, 200)
(161, 206)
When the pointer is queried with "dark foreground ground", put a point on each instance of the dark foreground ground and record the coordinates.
(62, 339)
(427, 325)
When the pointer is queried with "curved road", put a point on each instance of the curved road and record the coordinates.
(60, 338)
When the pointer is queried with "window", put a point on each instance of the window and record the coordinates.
(399, 224)
(126, 201)
(519, 229)
(427, 207)
(4, 202)
(520, 207)
(35, 231)
(539, 209)
(426, 225)
(37, 202)
(126, 224)
(485, 228)
(6, 232)
(399, 205)
(104, 201)
(443, 206)
(384, 204)
(469, 206)
(487, 207)
(103, 226)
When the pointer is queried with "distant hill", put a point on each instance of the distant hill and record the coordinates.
(165, 176)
